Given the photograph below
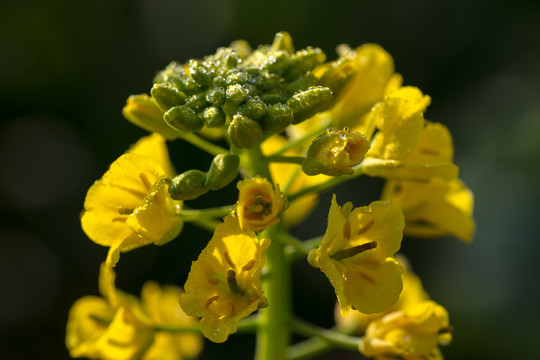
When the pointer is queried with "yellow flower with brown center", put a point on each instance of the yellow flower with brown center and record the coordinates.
(130, 206)
(258, 204)
(434, 208)
(412, 334)
(356, 254)
(224, 283)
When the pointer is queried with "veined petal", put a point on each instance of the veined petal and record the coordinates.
(224, 284)
(356, 255)
(154, 145)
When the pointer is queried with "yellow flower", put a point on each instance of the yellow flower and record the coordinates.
(434, 208)
(293, 179)
(356, 254)
(400, 120)
(412, 294)
(258, 204)
(155, 147)
(161, 305)
(374, 78)
(431, 155)
(224, 283)
(413, 334)
(130, 205)
(119, 326)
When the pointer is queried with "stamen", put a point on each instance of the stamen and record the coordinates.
(366, 228)
(228, 259)
(211, 301)
(124, 211)
(260, 207)
(347, 230)
(250, 264)
(213, 281)
(119, 219)
(367, 277)
(232, 283)
(343, 254)
(233, 309)
(429, 152)
(145, 181)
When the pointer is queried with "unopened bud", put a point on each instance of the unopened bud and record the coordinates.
(166, 96)
(188, 185)
(213, 117)
(237, 93)
(223, 171)
(305, 104)
(283, 41)
(334, 152)
(183, 118)
(245, 132)
(277, 118)
(303, 61)
(254, 108)
(337, 77)
(142, 111)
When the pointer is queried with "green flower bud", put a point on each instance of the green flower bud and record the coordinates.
(166, 96)
(200, 73)
(334, 152)
(216, 95)
(300, 84)
(197, 102)
(283, 41)
(277, 118)
(237, 93)
(303, 61)
(267, 81)
(188, 185)
(337, 77)
(245, 132)
(277, 62)
(305, 104)
(183, 118)
(241, 47)
(142, 111)
(254, 108)
(213, 117)
(223, 171)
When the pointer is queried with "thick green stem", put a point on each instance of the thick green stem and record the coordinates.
(273, 336)
(197, 214)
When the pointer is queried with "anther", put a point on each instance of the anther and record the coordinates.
(250, 264)
(211, 301)
(228, 259)
(347, 230)
(232, 283)
(366, 228)
(213, 281)
(124, 211)
(346, 253)
(429, 152)
(145, 181)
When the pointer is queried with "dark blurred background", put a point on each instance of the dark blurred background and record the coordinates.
(67, 67)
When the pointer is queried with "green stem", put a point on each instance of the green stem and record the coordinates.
(286, 159)
(202, 143)
(287, 239)
(308, 348)
(333, 337)
(206, 224)
(196, 214)
(273, 336)
(326, 185)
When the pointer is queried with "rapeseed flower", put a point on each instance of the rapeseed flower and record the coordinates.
(224, 283)
(356, 254)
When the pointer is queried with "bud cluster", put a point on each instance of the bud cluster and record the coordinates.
(251, 93)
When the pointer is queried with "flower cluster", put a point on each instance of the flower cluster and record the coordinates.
(295, 125)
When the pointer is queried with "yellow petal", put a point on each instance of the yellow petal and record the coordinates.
(154, 146)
